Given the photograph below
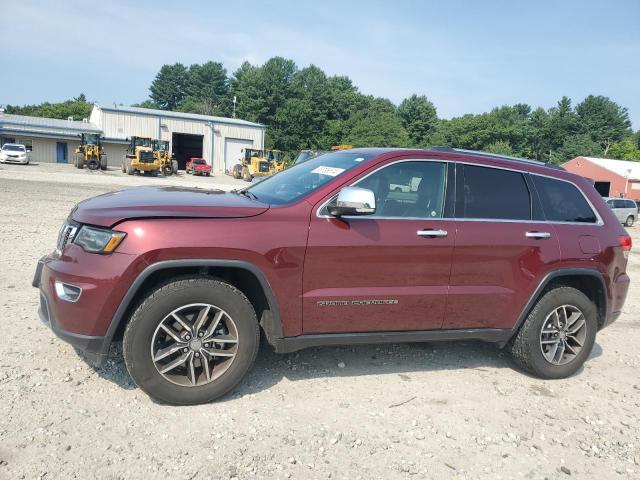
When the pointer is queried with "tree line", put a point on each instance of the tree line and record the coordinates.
(304, 108)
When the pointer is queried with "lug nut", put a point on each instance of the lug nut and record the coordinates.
(201, 334)
(187, 337)
(185, 350)
(197, 354)
(206, 345)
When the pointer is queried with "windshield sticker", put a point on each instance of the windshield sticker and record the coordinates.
(359, 159)
(329, 171)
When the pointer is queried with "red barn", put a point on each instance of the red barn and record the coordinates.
(612, 178)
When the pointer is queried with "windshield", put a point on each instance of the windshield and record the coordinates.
(14, 148)
(199, 162)
(298, 181)
(142, 142)
(90, 139)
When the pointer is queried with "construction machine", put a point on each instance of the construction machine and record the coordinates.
(162, 153)
(335, 148)
(140, 157)
(258, 163)
(90, 153)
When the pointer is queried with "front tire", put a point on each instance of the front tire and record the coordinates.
(629, 221)
(557, 336)
(164, 342)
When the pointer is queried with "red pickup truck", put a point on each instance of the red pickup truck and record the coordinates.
(198, 166)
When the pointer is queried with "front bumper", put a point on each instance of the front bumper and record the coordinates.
(83, 323)
(93, 347)
(21, 161)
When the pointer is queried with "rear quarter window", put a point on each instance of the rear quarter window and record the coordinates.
(562, 201)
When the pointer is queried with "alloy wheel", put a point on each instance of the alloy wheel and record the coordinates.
(563, 334)
(194, 344)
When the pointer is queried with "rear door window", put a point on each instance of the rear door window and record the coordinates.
(491, 193)
(562, 201)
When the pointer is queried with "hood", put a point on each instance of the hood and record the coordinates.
(162, 202)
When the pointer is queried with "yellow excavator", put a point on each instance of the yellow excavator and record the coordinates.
(140, 157)
(258, 163)
(90, 153)
(162, 153)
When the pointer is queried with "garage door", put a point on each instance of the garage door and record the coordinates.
(233, 151)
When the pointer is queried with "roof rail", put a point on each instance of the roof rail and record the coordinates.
(495, 155)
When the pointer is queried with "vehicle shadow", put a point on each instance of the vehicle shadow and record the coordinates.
(347, 361)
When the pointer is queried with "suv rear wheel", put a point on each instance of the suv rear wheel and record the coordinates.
(557, 337)
(191, 340)
(629, 222)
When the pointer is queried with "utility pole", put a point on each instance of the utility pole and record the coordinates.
(234, 106)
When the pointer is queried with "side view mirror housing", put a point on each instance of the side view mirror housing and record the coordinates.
(354, 201)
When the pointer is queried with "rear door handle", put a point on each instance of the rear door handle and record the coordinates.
(539, 235)
(432, 233)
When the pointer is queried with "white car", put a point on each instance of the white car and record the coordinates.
(626, 210)
(14, 153)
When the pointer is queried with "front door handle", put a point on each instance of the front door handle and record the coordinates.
(432, 233)
(539, 235)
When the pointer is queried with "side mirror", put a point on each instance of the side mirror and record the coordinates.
(354, 201)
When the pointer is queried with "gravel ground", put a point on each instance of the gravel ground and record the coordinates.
(442, 410)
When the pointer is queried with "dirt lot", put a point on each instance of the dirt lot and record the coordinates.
(447, 410)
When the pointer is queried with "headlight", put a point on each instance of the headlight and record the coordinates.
(98, 240)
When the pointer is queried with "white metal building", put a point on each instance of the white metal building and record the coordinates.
(219, 140)
(47, 139)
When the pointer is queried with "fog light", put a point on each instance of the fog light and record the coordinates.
(67, 292)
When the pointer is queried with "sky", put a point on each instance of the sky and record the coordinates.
(465, 56)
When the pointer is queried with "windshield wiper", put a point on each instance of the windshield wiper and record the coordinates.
(247, 194)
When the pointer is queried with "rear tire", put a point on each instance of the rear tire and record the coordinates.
(532, 346)
(629, 221)
(93, 164)
(79, 162)
(182, 385)
(103, 163)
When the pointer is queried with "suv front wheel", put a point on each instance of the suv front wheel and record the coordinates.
(191, 340)
(557, 336)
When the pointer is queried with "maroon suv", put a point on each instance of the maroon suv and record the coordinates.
(355, 246)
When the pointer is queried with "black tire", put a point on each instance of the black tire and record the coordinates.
(103, 162)
(156, 306)
(79, 162)
(93, 164)
(166, 169)
(174, 167)
(237, 171)
(246, 176)
(525, 346)
(629, 221)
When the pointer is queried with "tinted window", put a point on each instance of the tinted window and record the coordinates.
(408, 189)
(562, 201)
(494, 194)
(629, 204)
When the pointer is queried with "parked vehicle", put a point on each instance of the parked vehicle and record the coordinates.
(625, 210)
(305, 155)
(140, 158)
(190, 279)
(90, 153)
(198, 166)
(162, 153)
(258, 163)
(14, 153)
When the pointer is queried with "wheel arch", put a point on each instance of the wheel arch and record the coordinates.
(587, 280)
(244, 275)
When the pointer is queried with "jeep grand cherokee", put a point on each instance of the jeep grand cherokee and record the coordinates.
(477, 246)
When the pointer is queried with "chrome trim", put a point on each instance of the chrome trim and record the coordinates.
(432, 233)
(539, 235)
(61, 291)
(599, 223)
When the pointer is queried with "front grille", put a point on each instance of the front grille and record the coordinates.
(264, 167)
(146, 157)
(66, 235)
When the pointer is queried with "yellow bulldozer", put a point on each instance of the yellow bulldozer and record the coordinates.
(90, 153)
(258, 163)
(140, 158)
(162, 153)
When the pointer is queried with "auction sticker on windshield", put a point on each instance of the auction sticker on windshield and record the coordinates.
(330, 171)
